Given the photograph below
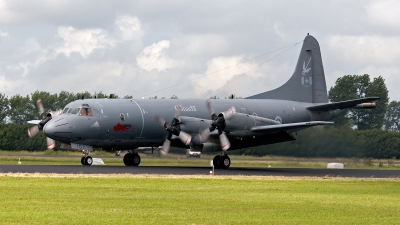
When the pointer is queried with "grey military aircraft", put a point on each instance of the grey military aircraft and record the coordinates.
(206, 126)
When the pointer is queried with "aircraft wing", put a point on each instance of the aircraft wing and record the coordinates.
(289, 126)
(342, 104)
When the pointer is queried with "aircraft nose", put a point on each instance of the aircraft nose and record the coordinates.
(58, 129)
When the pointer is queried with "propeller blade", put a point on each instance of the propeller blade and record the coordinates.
(178, 111)
(33, 131)
(185, 138)
(225, 144)
(34, 122)
(204, 134)
(173, 128)
(165, 147)
(50, 143)
(40, 106)
(230, 113)
(160, 120)
(209, 107)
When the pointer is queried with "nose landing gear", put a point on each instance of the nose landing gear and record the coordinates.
(86, 160)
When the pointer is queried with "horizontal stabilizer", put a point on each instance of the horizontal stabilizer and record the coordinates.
(287, 127)
(342, 104)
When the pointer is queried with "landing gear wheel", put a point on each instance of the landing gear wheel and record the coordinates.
(128, 159)
(88, 160)
(217, 161)
(131, 159)
(136, 159)
(83, 160)
(225, 162)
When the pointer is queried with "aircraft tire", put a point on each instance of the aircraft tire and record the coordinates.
(83, 161)
(135, 159)
(225, 162)
(217, 161)
(128, 161)
(88, 161)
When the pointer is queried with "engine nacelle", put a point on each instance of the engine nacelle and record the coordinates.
(240, 124)
(208, 146)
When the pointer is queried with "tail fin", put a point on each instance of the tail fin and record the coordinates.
(307, 83)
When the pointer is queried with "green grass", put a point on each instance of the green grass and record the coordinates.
(125, 199)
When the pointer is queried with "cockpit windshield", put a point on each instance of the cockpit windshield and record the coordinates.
(84, 110)
(74, 110)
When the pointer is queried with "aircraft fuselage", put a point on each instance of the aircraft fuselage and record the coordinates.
(130, 123)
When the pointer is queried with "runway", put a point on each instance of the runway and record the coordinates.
(285, 172)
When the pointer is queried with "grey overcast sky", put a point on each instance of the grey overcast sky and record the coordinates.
(140, 47)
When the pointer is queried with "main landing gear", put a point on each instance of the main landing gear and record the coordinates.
(86, 160)
(222, 161)
(131, 159)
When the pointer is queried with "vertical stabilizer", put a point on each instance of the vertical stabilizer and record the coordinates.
(307, 83)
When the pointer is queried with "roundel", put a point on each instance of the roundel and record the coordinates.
(279, 119)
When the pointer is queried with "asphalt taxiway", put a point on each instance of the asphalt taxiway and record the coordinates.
(285, 172)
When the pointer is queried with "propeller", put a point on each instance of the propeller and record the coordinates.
(173, 128)
(45, 117)
(219, 123)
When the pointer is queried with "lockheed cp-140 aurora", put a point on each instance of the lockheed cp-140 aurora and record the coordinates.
(205, 126)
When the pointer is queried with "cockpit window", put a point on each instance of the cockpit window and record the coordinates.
(74, 110)
(65, 111)
(86, 111)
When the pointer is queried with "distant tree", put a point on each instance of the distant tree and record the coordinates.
(346, 88)
(64, 98)
(392, 117)
(155, 97)
(128, 97)
(4, 106)
(374, 118)
(84, 95)
(233, 96)
(101, 95)
(113, 96)
(359, 86)
(174, 97)
(14, 137)
(49, 101)
(21, 109)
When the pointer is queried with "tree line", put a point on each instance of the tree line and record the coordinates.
(356, 133)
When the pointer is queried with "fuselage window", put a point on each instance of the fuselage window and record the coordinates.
(122, 116)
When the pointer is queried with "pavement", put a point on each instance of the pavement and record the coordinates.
(284, 172)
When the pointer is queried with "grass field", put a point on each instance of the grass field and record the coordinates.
(145, 199)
